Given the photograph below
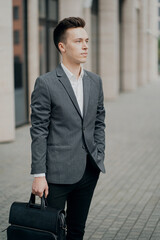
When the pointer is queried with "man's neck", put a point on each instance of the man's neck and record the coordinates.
(73, 68)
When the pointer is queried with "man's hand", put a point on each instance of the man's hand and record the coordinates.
(39, 186)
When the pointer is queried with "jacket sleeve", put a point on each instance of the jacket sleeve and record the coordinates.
(99, 133)
(40, 120)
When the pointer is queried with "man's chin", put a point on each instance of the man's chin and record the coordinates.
(83, 61)
(79, 61)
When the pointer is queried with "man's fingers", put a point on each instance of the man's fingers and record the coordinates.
(37, 192)
(46, 192)
(40, 194)
(40, 186)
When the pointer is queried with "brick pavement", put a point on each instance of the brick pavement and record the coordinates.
(126, 204)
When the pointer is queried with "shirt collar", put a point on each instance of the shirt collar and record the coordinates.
(69, 74)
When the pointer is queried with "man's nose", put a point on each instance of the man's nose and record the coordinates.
(85, 45)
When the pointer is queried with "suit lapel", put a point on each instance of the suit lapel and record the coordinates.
(86, 92)
(67, 85)
(62, 77)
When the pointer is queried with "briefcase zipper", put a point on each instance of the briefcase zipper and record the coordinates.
(35, 229)
(63, 224)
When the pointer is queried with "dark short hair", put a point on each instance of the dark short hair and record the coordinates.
(63, 25)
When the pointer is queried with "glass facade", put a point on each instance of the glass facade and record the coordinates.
(94, 36)
(20, 60)
(48, 19)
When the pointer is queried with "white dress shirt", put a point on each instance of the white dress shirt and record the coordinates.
(77, 85)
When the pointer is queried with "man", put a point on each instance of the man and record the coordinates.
(68, 138)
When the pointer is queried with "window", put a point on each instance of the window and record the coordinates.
(19, 9)
(16, 37)
(15, 12)
(17, 72)
(159, 11)
(52, 10)
(48, 19)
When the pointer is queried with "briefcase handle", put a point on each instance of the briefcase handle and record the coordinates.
(32, 202)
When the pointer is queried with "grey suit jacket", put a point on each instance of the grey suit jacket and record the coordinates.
(61, 137)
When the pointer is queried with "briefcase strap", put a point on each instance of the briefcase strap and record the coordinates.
(32, 202)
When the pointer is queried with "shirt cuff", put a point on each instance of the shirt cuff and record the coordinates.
(39, 175)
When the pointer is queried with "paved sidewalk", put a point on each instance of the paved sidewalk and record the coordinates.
(126, 204)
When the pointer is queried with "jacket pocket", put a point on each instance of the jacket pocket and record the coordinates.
(58, 154)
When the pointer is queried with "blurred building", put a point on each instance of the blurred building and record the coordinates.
(158, 36)
(158, 17)
(123, 48)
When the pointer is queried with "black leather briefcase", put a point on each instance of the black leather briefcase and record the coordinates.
(31, 221)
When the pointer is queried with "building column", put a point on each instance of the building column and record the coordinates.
(109, 47)
(66, 8)
(87, 17)
(129, 46)
(152, 40)
(142, 43)
(33, 46)
(7, 105)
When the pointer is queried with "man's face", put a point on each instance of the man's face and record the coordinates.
(76, 45)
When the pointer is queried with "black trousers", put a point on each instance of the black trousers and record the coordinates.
(78, 197)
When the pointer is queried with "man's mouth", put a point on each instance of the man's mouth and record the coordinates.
(84, 54)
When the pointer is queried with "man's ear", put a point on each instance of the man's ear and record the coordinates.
(61, 47)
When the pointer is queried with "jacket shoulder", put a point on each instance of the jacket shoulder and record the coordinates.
(92, 75)
(48, 75)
